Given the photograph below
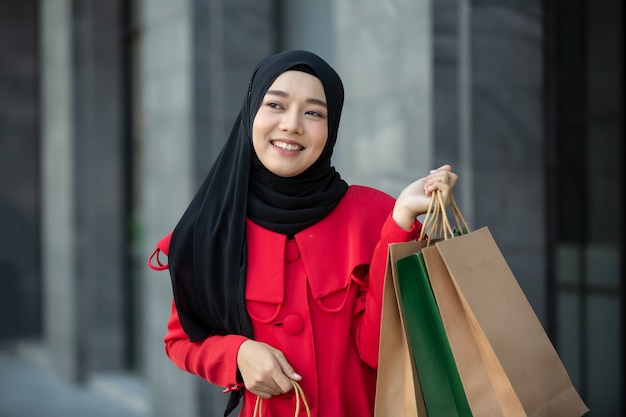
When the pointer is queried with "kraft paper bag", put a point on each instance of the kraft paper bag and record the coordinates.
(398, 391)
(442, 388)
(526, 374)
(488, 389)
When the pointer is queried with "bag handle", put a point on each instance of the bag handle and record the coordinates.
(462, 225)
(436, 224)
(258, 405)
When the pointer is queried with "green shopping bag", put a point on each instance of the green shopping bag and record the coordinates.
(441, 384)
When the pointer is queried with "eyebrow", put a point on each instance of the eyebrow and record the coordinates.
(281, 93)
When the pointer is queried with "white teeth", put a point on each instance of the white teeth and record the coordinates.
(287, 146)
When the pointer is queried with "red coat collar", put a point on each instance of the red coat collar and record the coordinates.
(331, 249)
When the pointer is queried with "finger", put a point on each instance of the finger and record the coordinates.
(453, 179)
(445, 185)
(445, 177)
(286, 366)
(283, 379)
(445, 193)
(263, 394)
(434, 182)
(442, 168)
(263, 388)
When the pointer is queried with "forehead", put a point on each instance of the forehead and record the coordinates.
(295, 82)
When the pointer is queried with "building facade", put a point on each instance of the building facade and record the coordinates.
(113, 111)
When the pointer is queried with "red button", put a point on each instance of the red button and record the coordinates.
(293, 324)
(292, 253)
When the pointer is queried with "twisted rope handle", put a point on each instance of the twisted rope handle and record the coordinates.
(436, 224)
(258, 405)
(458, 217)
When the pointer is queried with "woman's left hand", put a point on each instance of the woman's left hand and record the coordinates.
(415, 199)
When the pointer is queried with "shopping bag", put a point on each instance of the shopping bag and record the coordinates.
(398, 390)
(441, 384)
(488, 390)
(506, 326)
(518, 356)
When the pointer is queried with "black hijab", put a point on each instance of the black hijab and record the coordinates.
(207, 253)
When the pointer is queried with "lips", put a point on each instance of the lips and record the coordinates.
(287, 146)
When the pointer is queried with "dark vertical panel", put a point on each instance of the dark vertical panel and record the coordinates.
(446, 84)
(550, 131)
(604, 45)
(20, 280)
(586, 94)
(571, 127)
(99, 184)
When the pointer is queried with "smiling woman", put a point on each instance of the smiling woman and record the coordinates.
(277, 265)
(290, 129)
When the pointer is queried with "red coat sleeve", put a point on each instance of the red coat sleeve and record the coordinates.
(213, 359)
(368, 309)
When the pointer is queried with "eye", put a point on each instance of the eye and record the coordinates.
(274, 105)
(315, 114)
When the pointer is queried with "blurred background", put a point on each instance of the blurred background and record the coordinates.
(112, 111)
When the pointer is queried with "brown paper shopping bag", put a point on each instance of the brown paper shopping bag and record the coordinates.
(398, 392)
(487, 387)
(520, 373)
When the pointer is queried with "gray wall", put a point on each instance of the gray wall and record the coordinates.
(508, 139)
(383, 53)
(307, 25)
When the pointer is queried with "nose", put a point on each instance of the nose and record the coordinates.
(291, 122)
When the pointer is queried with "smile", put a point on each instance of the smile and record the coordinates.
(287, 146)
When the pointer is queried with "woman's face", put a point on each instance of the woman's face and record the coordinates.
(290, 129)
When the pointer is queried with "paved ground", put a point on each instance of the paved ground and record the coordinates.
(26, 390)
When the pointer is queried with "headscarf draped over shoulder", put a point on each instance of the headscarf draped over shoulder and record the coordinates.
(207, 254)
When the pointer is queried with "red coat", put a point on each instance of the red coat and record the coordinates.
(317, 298)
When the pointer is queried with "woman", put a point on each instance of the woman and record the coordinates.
(277, 265)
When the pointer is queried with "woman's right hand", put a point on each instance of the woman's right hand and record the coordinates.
(264, 369)
(415, 198)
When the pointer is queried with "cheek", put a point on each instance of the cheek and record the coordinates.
(259, 131)
(320, 136)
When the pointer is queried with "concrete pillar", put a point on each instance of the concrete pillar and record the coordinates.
(384, 54)
(58, 198)
(101, 183)
(166, 177)
(83, 183)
